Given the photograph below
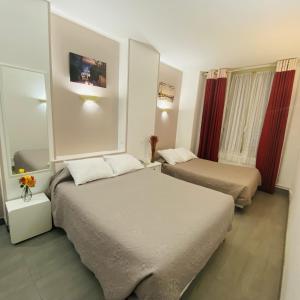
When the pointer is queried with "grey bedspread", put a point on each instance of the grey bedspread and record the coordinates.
(239, 182)
(142, 232)
(31, 159)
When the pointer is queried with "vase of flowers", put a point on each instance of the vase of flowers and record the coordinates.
(26, 183)
(153, 141)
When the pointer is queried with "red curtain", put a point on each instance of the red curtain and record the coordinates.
(212, 118)
(272, 136)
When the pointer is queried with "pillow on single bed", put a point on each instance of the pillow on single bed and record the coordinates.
(123, 163)
(170, 155)
(185, 154)
(85, 170)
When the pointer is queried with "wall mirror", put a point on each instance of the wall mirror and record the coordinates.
(24, 116)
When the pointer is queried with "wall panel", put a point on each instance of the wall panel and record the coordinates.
(166, 120)
(82, 127)
(142, 92)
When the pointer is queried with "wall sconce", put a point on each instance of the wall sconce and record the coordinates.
(90, 98)
(164, 104)
(40, 100)
(42, 104)
(91, 103)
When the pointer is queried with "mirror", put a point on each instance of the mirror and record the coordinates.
(24, 111)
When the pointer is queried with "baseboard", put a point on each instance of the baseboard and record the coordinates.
(281, 187)
(2, 222)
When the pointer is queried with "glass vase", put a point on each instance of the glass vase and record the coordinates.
(26, 194)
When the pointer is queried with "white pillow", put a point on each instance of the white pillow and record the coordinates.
(185, 154)
(123, 163)
(170, 156)
(85, 170)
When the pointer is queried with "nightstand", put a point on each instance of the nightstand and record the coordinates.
(28, 219)
(155, 166)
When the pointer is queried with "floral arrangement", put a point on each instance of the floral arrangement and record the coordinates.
(26, 182)
(153, 141)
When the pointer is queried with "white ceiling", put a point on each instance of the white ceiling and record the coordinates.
(198, 34)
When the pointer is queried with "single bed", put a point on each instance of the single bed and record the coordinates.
(31, 159)
(141, 233)
(239, 182)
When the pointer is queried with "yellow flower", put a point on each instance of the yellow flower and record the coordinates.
(21, 171)
(31, 181)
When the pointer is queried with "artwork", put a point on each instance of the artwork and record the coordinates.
(87, 70)
(166, 92)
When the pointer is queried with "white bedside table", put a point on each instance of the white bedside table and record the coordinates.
(155, 166)
(28, 219)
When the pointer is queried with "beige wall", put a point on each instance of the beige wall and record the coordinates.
(188, 109)
(83, 127)
(166, 122)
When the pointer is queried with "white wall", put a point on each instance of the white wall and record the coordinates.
(123, 90)
(187, 107)
(24, 35)
(290, 289)
(142, 94)
(198, 114)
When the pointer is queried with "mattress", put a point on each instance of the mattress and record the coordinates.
(239, 182)
(31, 160)
(142, 233)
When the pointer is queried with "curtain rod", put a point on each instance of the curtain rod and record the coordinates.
(252, 67)
(230, 70)
(247, 68)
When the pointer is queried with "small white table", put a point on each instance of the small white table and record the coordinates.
(155, 166)
(28, 219)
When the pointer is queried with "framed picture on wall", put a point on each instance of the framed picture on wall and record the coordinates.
(87, 70)
(166, 92)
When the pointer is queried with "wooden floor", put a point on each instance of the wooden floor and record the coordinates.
(247, 266)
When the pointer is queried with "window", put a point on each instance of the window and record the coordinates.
(246, 105)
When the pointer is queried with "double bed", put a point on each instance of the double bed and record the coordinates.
(238, 181)
(142, 233)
